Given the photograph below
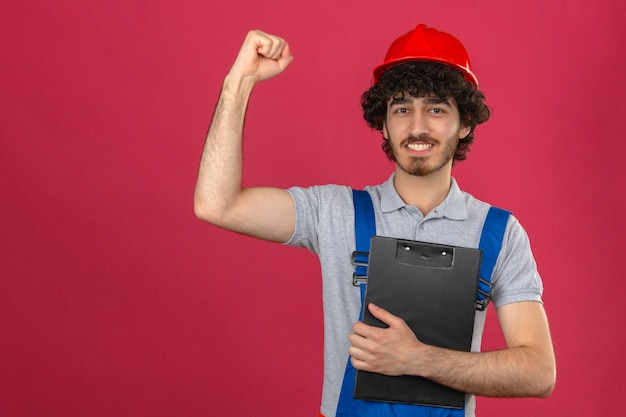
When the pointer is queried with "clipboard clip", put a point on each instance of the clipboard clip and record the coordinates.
(482, 296)
(360, 261)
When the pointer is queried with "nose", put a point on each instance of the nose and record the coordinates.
(418, 124)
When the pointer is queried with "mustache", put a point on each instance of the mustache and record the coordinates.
(424, 138)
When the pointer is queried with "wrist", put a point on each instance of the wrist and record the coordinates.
(424, 360)
(238, 84)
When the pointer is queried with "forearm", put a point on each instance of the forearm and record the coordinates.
(266, 213)
(219, 176)
(526, 368)
(513, 372)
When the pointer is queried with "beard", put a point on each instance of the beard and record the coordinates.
(422, 166)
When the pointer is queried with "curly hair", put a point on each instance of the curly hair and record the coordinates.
(420, 79)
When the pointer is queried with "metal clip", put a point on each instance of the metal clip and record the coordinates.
(360, 258)
(357, 280)
(360, 261)
(481, 304)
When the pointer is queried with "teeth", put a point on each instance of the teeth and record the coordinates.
(419, 146)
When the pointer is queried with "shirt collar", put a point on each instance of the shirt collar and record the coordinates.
(453, 207)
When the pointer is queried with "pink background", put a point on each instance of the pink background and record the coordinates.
(116, 301)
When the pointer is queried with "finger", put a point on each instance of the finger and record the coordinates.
(286, 56)
(276, 50)
(364, 330)
(384, 316)
(358, 341)
(269, 46)
(262, 56)
(360, 364)
(359, 354)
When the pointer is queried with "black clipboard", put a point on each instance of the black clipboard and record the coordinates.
(433, 288)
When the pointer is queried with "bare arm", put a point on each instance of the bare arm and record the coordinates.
(526, 368)
(266, 213)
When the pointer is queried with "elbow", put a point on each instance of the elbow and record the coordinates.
(200, 212)
(206, 211)
(547, 382)
(546, 391)
(200, 209)
(216, 208)
(549, 387)
(214, 211)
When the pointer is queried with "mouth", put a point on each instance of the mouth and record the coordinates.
(419, 146)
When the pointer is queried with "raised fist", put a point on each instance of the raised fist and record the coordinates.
(262, 56)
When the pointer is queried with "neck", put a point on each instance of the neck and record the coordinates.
(424, 192)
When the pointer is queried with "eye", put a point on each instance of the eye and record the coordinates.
(437, 110)
(401, 110)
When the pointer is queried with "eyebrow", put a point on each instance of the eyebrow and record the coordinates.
(401, 100)
(437, 100)
(427, 100)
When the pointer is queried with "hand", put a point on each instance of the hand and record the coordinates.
(389, 351)
(262, 56)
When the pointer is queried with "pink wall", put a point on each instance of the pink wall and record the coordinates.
(116, 301)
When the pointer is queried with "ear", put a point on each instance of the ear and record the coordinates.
(464, 131)
(385, 131)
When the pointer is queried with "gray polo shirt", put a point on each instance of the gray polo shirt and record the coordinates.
(325, 225)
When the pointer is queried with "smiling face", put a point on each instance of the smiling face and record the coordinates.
(423, 133)
(425, 79)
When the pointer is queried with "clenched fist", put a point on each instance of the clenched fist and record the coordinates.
(262, 56)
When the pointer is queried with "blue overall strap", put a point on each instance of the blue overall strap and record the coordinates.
(490, 244)
(364, 229)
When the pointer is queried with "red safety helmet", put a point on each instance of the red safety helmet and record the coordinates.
(428, 44)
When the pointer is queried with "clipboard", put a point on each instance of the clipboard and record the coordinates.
(433, 288)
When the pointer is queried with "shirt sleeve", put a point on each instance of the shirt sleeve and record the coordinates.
(320, 210)
(515, 275)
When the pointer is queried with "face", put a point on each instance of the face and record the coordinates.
(423, 133)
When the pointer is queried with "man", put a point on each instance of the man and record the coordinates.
(425, 101)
